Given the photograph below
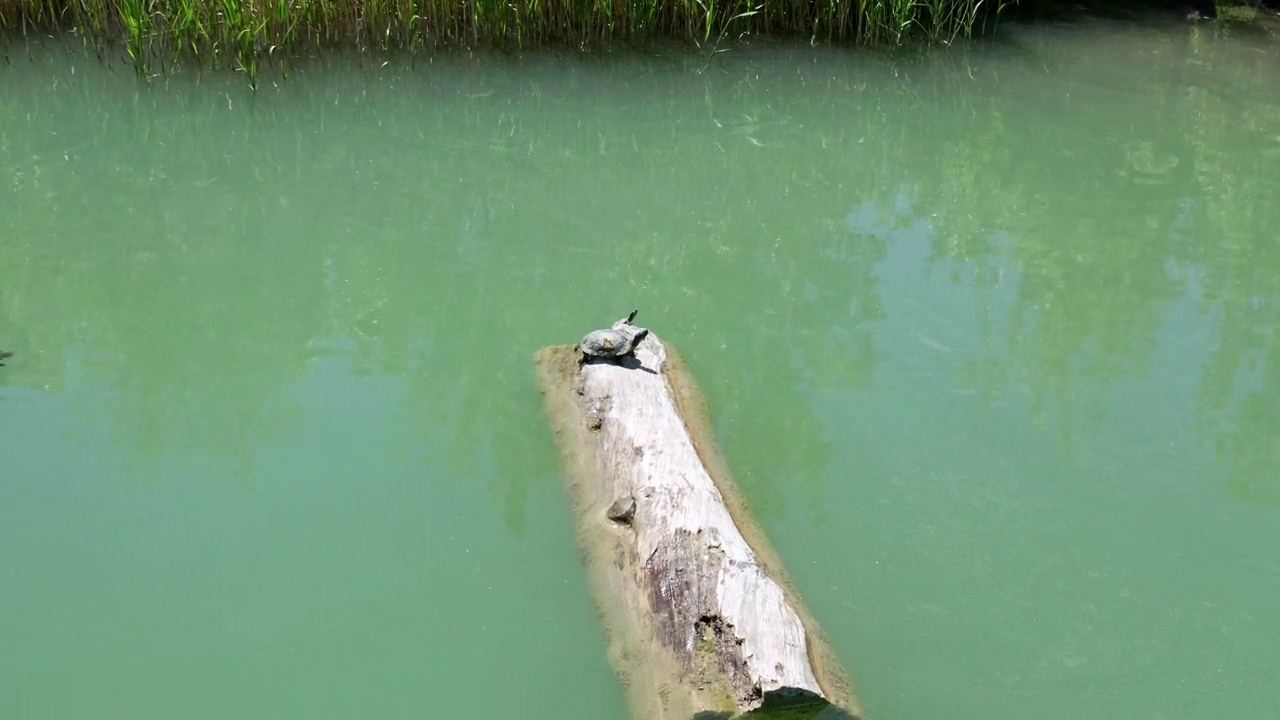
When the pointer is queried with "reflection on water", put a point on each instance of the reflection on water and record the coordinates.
(999, 326)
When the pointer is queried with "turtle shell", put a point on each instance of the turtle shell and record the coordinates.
(610, 342)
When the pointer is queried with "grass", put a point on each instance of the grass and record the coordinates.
(245, 33)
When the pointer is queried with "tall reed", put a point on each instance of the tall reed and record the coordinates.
(245, 33)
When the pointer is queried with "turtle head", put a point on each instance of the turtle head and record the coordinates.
(632, 316)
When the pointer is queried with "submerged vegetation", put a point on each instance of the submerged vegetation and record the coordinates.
(1089, 238)
(248, 32)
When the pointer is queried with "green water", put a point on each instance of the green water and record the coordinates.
(992, 341)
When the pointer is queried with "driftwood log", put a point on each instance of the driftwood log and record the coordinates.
(701, 621)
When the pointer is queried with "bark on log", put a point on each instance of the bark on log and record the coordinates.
(701, 621)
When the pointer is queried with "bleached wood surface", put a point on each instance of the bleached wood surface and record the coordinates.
(698, 613)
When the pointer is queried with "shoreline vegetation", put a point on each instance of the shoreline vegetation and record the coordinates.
(244, 34)
(161, 35)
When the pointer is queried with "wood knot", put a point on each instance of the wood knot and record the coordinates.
(622, 510)
(596, 410)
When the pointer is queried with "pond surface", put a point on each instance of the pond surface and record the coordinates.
(991, 337)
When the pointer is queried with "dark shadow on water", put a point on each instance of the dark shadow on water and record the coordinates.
(1130, 10)
(792, 704)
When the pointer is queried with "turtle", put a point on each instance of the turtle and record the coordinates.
(5, 355)
(614, 342)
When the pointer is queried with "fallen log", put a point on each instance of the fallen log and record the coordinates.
(700, 619)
